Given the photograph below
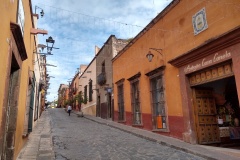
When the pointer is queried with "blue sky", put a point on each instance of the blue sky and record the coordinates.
(77, 26)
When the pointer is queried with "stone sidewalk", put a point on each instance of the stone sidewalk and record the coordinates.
(39, 145)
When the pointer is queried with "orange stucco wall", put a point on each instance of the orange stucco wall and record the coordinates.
(27, 64)
(5, 17)
(5, 34)
(8, 13)
(173, 33)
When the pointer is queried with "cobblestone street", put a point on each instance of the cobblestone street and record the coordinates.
(79, 138)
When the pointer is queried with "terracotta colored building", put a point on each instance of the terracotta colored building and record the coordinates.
(73, 92)
(193, 74)
(62, 95)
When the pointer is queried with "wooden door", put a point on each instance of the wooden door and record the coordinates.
(205, 116)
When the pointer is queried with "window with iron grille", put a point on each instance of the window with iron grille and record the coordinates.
(103, 67)
(158, 102)
(85, 92)
(120, 92)
(90, 90)
(135, 99)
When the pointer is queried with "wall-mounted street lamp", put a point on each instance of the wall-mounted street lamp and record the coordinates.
(48, 78)
(36, 31)
(50, 41)
(41, 13)
(42, 46)
(49, 53)
(150, 55)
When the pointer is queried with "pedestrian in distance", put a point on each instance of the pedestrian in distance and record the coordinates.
(69, 109)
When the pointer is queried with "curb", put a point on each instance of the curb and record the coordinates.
(167, 141)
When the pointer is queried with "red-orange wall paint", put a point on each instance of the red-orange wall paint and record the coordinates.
(175, 124)
(173, 33)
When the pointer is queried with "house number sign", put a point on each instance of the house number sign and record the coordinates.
(199, 21)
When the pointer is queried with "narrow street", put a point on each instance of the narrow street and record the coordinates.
(77, 138)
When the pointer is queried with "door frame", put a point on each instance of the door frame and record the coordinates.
(16, 55)
(197, 116)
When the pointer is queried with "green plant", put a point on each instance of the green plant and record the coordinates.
(85, 100)
(79, 98)
(82, 99)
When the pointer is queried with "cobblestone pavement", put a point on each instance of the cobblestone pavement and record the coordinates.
(77, 138)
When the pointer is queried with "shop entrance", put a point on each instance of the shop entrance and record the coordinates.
(217, 112)
(205, 116)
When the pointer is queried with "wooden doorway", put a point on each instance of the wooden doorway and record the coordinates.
(205, 116)
(11, 110)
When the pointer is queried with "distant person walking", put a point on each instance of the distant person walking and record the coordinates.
(69, 109)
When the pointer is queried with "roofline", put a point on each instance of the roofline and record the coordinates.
(88, 65)
(109, 38)
(150, 25)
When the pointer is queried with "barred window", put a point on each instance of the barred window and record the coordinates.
(85, 92)
(120, 103)
(135, 99)
(103, 67)
(158, 98)
(90, 92)
(120, 92)
(158, 102)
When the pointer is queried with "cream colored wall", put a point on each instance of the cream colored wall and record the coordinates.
(36, 63)
(90, 107)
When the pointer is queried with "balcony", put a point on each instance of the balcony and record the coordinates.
(101, 78)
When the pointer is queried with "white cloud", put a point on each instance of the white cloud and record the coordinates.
(77, 26)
